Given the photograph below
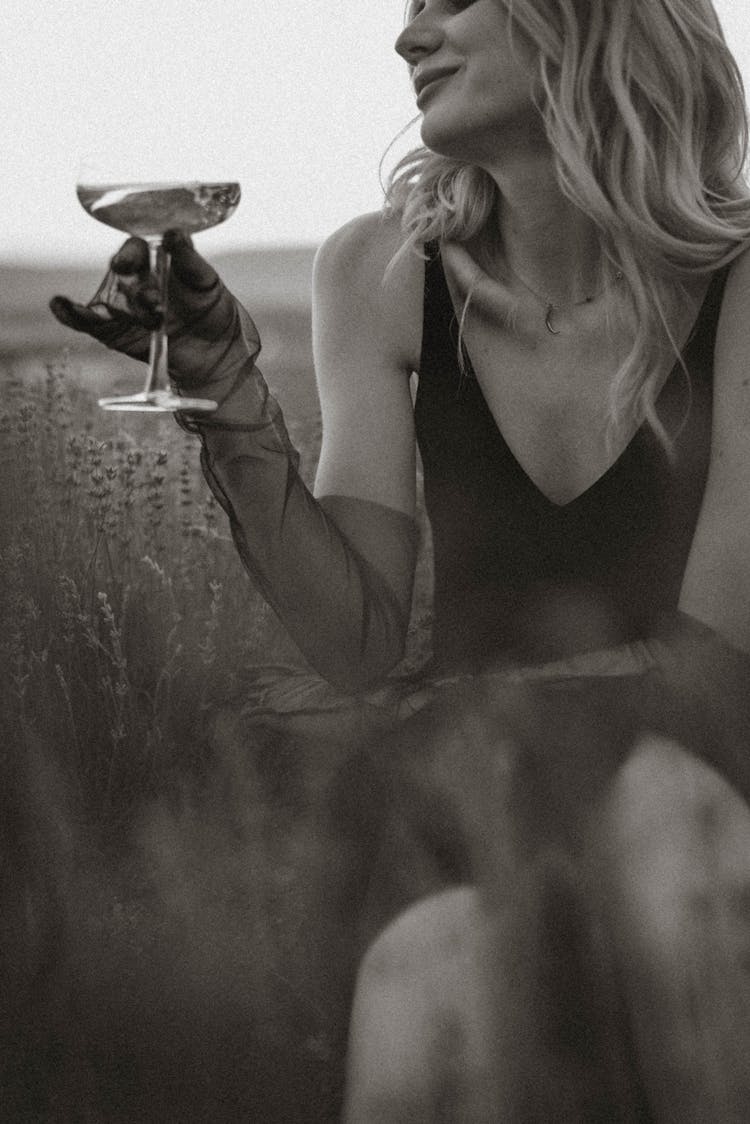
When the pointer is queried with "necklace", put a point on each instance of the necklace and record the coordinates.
(551, 307)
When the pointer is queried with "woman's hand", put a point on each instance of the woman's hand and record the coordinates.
(210, 335)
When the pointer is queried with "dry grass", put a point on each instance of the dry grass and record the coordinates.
(126, 611)
(158, 879)
(128, 615)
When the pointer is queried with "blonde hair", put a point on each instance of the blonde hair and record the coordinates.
(644, 109)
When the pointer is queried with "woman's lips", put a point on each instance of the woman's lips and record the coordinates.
(428, 87)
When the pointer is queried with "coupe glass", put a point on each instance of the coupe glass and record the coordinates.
(137, 201)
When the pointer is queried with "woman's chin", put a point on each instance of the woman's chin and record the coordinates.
(451, 138)
(445, 140)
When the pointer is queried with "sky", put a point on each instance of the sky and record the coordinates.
(295, 99)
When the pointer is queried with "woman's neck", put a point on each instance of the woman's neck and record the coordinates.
(541, 237)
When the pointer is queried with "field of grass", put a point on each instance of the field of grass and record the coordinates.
(178, 872)
(163, 950)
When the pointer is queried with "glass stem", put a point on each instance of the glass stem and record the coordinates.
(158, 364)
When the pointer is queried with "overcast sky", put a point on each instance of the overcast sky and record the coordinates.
(296, 99)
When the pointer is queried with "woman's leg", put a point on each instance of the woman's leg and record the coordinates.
(677, 841)
(504, 986)
(420, 1039)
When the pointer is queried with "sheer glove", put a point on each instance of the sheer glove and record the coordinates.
(210, 334)
(339, 571)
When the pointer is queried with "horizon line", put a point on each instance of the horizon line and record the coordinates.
(40, 261)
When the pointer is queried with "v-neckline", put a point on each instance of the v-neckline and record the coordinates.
(565, 505)
(635, 436)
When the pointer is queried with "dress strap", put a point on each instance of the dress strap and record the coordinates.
(439, 356)
(702, 339)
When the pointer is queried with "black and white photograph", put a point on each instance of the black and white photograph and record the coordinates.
(375, 562)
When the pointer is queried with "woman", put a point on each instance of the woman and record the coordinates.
(580, 333)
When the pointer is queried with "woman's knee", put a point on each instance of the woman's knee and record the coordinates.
(663, 791)
(421, 1007)
(426, 941)
(677, 840)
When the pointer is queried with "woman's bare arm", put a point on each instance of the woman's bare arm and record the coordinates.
(366, 341)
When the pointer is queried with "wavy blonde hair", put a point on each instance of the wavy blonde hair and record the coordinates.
(644, 109)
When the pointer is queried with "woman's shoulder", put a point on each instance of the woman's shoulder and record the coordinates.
(367, 273)
(361, 252)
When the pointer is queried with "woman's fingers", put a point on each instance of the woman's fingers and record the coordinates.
(110, 326)
(131, 258)
(79, 317)
(143, 300)
(134, 288)
(188, 267)
(129, 303)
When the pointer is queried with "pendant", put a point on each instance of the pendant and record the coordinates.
(548, 321)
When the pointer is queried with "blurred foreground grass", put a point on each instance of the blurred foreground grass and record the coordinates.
(161, 954)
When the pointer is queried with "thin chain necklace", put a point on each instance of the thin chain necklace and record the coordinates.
(551, 307)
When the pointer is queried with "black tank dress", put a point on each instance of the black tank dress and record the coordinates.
(518, 582)
(508, 561)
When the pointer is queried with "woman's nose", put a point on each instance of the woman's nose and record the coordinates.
(420, 37)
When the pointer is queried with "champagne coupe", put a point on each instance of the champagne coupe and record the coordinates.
(148, 207)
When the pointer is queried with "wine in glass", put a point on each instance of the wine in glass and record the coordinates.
(148, 208)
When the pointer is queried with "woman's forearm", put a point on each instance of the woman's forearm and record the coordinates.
(346, 616)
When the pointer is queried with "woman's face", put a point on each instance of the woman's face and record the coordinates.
(473, 86)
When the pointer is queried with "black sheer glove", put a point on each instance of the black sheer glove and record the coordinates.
(338, 571)
(210, 335)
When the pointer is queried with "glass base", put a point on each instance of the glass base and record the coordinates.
(157, 401)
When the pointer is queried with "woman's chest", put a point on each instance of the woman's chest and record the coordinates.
(555, 397)
(515, 443)
(552, 408)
